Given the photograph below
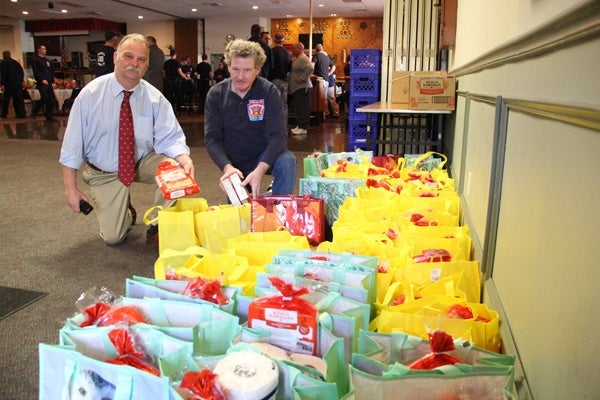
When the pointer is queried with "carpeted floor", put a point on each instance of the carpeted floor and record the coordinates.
(48, 248)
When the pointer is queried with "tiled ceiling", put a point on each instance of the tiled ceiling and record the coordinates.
(159, 10)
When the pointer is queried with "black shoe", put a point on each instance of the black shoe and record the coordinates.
(152, 235)
(133, 213)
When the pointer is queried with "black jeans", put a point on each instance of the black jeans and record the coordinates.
(302, 99)
(46, 101)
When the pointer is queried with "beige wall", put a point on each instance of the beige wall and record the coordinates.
(544, 262)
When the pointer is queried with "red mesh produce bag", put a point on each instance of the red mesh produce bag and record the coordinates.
(128, 353)
(440, 343)
(203, 383)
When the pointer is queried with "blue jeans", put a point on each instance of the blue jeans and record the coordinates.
(283, 171)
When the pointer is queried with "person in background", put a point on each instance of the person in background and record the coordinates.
(91, 142)
(225, 68)
(332, 105)
(221, 73)
(106, 64)
(186, 68)
(245, 131)
(266, 37)
(173, 77)
(154, 74)
(265, 70)
(44, 77)
(12, 75)
(282, 64)
(324, 67)
(204, 72)
(301, 87)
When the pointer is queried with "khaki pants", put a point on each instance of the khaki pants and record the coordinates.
(111, 198)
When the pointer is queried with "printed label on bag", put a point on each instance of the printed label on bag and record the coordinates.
(435, 275)
(288, 329)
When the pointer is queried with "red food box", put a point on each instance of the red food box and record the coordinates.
(174, 182)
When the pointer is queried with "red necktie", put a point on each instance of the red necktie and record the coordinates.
(126, 142)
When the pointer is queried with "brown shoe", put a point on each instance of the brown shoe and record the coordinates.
(152, 235)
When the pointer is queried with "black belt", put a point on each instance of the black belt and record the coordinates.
(92, 166)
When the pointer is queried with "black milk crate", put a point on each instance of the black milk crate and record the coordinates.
(365, 84)
(365, 61)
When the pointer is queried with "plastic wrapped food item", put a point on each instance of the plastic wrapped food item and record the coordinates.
(291, 320)
(206, 289)
(440, 343)
(203, 384)
(247, 375)
(129, 353)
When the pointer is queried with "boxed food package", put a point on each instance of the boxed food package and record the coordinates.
(400, 86)
(236, 193)
(424, 90)
(174, 182)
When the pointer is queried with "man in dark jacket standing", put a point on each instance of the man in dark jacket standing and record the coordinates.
(267, 67)
(12, 79)
(154, 74)
(44, 77)
(105, 55)
(282, 62)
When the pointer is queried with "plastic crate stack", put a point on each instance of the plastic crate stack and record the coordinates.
(365, 76)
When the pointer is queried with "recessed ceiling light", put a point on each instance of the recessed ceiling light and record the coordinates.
(321, 5)
(63, 11)
(194, 9)
(25, 12)
(140, 17)
(255, 7)
(333, 15)
(288, 15)
(13, 1)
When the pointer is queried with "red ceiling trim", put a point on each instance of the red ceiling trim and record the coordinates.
(74, 24)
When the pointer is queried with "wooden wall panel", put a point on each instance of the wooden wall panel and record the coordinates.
(340, 35)
(186, 39)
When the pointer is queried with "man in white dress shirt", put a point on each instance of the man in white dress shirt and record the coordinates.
(91, 141)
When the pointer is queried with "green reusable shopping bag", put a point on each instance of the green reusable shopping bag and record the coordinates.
(78, 363)
(379, 370)
(140, 287)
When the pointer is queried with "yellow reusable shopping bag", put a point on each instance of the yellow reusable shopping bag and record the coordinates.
(216, 224)
(260, 247)
(423, 273)
(176, 222)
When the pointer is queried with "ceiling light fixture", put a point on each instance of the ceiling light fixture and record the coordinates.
(140, 17)
(194, 9)
(255, 7)
(25, 12)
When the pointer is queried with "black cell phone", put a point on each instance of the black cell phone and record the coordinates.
(85, 207)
